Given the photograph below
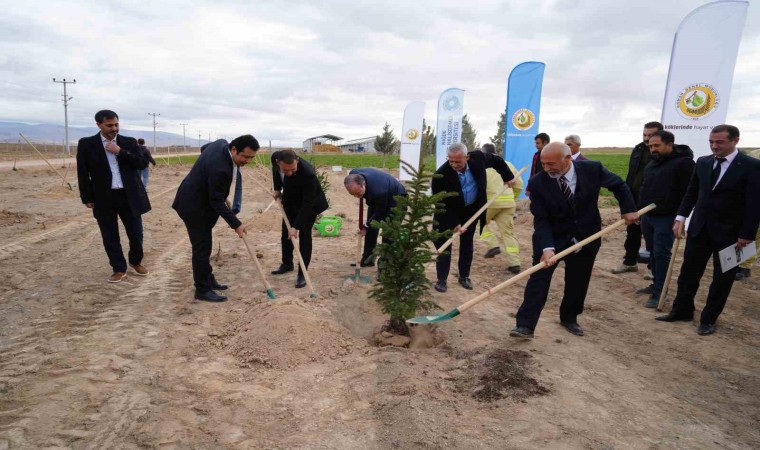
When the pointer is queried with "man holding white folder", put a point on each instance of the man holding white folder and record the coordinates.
(724, 192)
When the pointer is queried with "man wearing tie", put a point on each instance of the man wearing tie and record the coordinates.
(465, 174)
(201, 199)
(108, 169)
(724, 193)
(564, 203)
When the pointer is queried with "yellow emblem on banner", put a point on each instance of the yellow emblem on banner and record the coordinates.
(412, 134)
(523, 119)
(697, 101)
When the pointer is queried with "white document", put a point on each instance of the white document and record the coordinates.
(732, 255)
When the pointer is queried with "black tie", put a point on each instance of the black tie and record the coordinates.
(716, 171)
(566, 191)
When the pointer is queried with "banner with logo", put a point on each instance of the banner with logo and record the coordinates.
(523, 109)
(411, 138)
(702, 71)
(449, 124)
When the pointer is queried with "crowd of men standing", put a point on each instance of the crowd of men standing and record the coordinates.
(720, 193)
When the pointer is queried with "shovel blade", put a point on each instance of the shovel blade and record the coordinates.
(434, 319)
(270, 294)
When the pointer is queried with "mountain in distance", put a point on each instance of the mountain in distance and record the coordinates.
(46, 133)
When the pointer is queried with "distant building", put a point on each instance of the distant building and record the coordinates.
(363, 145)
(313, 143)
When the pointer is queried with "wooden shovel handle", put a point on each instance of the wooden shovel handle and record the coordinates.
(477, 214)
(666, 285)
(297, 251)
(542, 265)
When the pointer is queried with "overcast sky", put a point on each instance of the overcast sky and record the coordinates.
(289, 70)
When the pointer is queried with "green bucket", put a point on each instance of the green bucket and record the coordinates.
(329, 225)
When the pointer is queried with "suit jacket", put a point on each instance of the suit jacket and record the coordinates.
(381, 188)
(732, 209)
(454, 208)
(94, 174)
(581, 157)
(201, 197)
(556, 222)
(302, 194)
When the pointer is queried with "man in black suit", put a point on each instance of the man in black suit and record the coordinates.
(465, 174)
(202, 198)
(296, 184)
(108, 168)
(564, 203)
(724, 193)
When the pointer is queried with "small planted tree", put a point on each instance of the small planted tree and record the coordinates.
(405, 250)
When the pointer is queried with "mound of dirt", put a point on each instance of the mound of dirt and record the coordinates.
(500, 374)
(287, 333)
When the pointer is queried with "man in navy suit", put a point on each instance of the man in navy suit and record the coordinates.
(724, 192)
(108, 169)
(465, 174)
(574, 142)
(201, 200)
(378, 189)
(564, 202)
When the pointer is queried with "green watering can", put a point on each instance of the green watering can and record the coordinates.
(329, 225)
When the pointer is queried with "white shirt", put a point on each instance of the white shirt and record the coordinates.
(575, 156)
(113, 163)
(723, 167)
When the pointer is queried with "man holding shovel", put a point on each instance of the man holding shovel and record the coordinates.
(564, 203)
(465, 174)
(296, 184)
(201, 200)
(378, 189)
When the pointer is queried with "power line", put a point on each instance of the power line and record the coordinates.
(66, 99)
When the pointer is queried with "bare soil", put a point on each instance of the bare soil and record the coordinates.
(140, 364)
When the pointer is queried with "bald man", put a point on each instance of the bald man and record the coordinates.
(564, 203)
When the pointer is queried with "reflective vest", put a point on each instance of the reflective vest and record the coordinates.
(495, 184)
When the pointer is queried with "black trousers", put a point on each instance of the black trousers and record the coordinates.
(201, 242)
(443, 263)
(109, 231)
(304, 242)
(697, 253)
(633, 241)
(578, 267)
(370, 242)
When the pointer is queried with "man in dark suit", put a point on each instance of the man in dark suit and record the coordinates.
(724, 192)
(378, 189)
(574, 142)
(465, 174)
(563, 200)
(295, 182)
(108, 168)
(202, 198)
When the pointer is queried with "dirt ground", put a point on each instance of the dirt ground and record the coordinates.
(140, 364)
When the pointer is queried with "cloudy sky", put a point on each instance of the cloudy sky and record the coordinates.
(289, 70)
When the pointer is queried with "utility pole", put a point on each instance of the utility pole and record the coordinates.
(66, 99)
(199, 139)
(154, 135)
(183, 137)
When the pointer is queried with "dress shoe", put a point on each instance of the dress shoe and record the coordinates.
(440, 286)
(209, 296)
(117, 276)
(623, 268)
(513, 269)
(649, 276)
(705, 329)
(646, 290)
(670, 317)
(300, 281)
(652, 302)
(742, 274)
(368, 261)
(139, 269)
(573, 327)
(465, 282)
(492, 252)
(284, 268)
(216, 285)
(522, 332)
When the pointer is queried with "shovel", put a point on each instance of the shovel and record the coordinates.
(357, 276)
(313, 293)
(270, 292)
(666, 285)
(477, 214)
(464, 307)
(48, 162)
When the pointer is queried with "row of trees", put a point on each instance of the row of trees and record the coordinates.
(387, 144)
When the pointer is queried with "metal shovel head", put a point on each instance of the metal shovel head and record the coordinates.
(270, 294)
(357, 277)
(434, 319)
